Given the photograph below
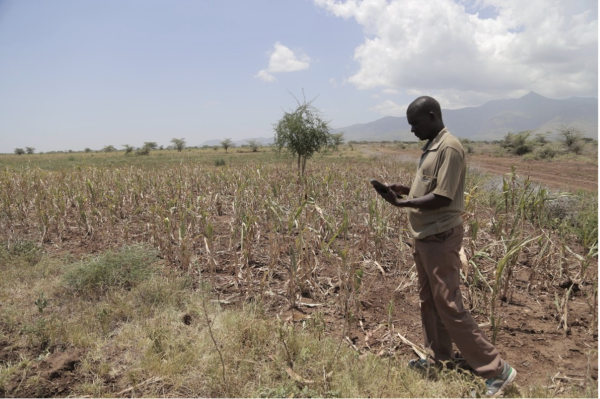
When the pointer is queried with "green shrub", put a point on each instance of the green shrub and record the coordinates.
(142, 151)
(28, 251)
(545, 152)
(220, 162)
(529, 157)
(518, 144)
(572, 138)
(124, 269)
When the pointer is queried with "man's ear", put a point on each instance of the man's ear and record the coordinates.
(432, 116)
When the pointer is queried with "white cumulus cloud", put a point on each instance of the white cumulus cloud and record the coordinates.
(283, 59)
(452, 50)
(390, 108)
(265, 76)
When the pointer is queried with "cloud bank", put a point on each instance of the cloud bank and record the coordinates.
(467, 52)
(282, 59)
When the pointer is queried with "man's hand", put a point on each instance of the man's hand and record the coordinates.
(400, 189)
(392, 193)
(428, 201)
(392, 197)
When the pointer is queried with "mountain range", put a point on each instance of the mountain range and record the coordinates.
(493, 120)
(490, 121)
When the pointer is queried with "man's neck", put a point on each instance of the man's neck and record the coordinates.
(437, 134)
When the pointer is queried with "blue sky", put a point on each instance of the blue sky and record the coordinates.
(77, 74)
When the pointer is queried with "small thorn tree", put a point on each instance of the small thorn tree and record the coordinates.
(19, 151)
(303, 132)
(572, 138)
(128, 148)
(30, 150)
(227, 143)
(337, 140)
(179, 144)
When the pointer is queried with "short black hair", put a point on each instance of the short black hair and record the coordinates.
(425, 104)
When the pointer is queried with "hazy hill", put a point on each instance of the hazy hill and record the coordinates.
(493, 120)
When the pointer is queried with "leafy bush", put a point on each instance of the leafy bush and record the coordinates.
(143, 151)
(220, 162)
(124, 268)
(518, 144)
(572, 138)
(545, 152)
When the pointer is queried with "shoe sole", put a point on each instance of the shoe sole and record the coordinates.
(509, 380)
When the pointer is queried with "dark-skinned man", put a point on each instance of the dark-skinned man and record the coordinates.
(435, 202)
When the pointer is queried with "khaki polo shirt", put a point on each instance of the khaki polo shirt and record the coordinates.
(441, 171)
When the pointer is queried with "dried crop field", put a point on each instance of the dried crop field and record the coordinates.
(324, 252)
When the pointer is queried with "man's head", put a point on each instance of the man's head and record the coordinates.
(425, 118)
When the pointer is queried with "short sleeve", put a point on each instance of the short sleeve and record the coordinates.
(449, 173)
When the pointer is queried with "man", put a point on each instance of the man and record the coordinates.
(436, 202)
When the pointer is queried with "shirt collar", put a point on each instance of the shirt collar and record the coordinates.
(435, 143)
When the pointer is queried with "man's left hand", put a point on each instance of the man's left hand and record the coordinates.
(390, 197)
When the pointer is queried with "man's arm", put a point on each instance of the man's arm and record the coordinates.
(428, 201)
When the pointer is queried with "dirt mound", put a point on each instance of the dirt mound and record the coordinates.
(53, 376)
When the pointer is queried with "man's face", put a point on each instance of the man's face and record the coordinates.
(422, 124)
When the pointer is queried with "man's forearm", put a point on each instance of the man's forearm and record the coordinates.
(429, 201)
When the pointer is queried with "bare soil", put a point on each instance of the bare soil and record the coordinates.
(559, 175)
(54, 374)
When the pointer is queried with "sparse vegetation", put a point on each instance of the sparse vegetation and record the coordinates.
(171, 278)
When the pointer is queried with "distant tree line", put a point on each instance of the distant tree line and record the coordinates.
(303, 132)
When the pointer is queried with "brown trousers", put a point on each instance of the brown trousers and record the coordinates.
(442, 313)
